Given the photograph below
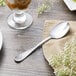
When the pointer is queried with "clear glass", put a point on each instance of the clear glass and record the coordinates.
(19, 19)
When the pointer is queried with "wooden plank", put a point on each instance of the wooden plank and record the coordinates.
(16, 42)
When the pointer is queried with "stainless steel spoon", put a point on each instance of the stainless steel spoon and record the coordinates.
(58, 31)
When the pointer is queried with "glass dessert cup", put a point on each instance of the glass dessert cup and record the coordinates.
(19, 19)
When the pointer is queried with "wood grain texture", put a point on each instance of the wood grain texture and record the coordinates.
(16, 42)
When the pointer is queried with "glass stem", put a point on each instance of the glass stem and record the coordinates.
(19, 16)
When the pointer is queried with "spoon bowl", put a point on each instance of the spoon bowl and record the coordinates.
(59, 31)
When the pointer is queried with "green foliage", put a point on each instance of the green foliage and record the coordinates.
(74, 0)
(64, 63)
(56, 61)
(65, 71)
(2, 2)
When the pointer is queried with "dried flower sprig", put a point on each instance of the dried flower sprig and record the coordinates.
(2, 2)
(43, 7)
(64, 63)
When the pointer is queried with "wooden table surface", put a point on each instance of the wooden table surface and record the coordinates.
(16, 41)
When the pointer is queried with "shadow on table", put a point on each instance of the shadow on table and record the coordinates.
(51, 70)
(1, 55)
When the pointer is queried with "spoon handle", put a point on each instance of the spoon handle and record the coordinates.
(25, 54)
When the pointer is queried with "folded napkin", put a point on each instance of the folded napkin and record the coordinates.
(54, 46)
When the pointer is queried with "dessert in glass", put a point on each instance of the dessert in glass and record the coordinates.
(19, 19)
